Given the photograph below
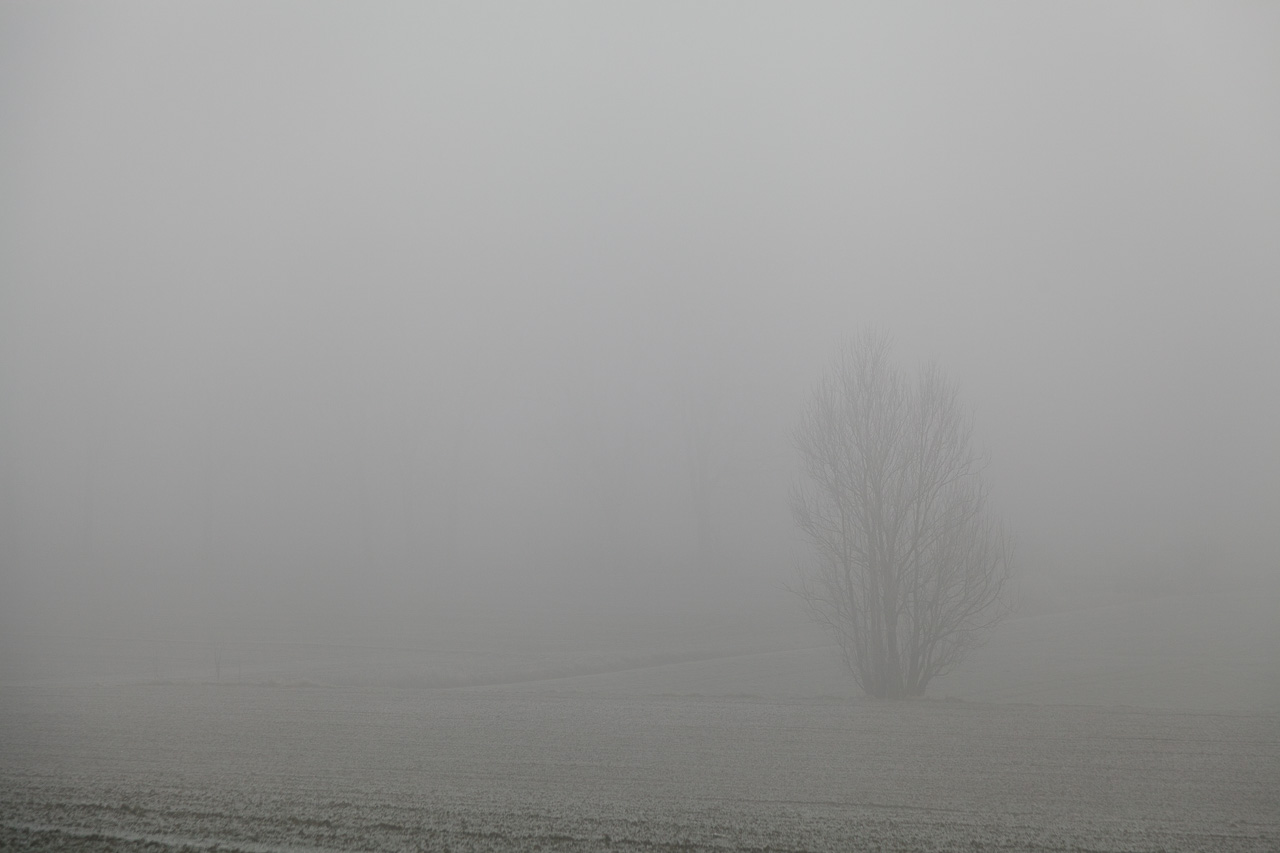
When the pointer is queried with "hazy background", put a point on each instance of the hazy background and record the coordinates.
(351, 321)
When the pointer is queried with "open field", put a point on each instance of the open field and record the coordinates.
(159, 767)
(1156, 726)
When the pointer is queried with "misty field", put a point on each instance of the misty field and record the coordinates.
(157, 767)
(464, 426)
(1149, 726)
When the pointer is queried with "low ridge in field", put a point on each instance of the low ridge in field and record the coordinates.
(1211, 653)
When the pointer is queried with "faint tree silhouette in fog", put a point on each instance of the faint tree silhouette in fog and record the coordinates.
(909, 568)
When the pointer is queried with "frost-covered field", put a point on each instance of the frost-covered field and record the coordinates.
(156, 767)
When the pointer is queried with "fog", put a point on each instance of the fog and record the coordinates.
(337, 321)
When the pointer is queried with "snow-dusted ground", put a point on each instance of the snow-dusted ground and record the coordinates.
(157, 767)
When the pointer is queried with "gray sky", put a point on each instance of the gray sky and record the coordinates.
(321, 312)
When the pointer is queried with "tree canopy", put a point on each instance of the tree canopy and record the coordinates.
(909, 567)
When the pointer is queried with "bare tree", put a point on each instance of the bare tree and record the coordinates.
(910, 568)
